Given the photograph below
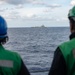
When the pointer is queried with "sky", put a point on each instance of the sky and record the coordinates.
(35, 13)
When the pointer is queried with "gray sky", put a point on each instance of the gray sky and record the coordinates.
(32, 13)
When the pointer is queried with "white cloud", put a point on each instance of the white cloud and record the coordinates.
(34, 11)
(42, 3)
(11, 15)
(2, 2)
(61, 19)
(34, 2)
(2, 10)
(27, 14)
(32, 14)
(19, 1)
(19, 6)
(54, 5)
(64, 19)
(72, 2)
(14, 1)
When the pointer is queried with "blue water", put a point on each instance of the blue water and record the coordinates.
(36, 46)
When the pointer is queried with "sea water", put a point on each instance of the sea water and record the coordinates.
(36, 45)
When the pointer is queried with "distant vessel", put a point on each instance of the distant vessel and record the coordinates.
(42, 26)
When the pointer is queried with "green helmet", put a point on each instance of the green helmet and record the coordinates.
(72, 13)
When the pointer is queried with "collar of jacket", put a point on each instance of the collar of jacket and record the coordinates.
(72, 35)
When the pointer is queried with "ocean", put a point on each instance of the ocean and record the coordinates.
(36, 45)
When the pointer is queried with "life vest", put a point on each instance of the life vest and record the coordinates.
(10, 62)
(68, 51)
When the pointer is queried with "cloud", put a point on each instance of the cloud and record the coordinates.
(2, 10)
(37, 18)
(11, 15)
(14, 15)
(47, 3)
(34, 2)
(72, 2)
(16, 2)
(38, 2)
(1, 2)
(54, 6)
(19, 6)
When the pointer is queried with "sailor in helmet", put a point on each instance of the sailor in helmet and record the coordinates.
(10, 62)
(64, 56)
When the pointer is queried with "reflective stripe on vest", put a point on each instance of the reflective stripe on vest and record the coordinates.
(6, 63)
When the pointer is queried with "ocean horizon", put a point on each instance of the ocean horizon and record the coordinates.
(36, 45)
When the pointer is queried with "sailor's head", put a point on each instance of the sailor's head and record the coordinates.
(71, 16)
(3, 30)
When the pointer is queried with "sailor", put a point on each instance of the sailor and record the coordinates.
(10, 62)
(64, 56)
